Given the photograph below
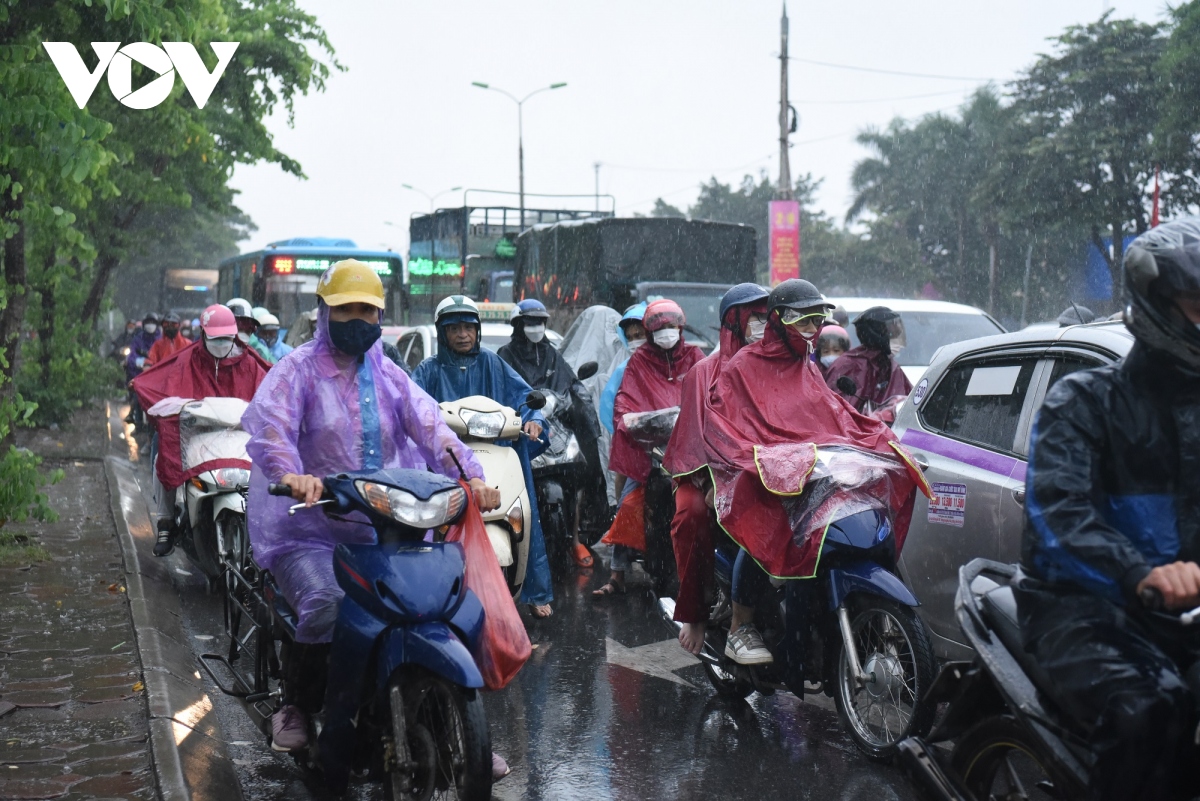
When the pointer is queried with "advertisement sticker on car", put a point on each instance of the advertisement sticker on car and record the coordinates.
(919, 392)
(948, 506)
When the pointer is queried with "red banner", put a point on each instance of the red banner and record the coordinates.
(783, 223)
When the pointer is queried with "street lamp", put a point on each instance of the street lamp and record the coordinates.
(430, 197)
(520, 133)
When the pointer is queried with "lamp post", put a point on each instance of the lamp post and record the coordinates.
(520, 135)
(430, 197)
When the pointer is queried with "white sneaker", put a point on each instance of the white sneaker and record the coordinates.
(745, 646)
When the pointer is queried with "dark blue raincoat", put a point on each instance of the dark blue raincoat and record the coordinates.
(449, 376)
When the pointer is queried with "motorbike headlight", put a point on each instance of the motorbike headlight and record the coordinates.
(551, 405)
(124, 351)
(404, 507)
(230, 477)
(516, 516)
(482, 424)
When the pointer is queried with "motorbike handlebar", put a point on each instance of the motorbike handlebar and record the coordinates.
(282, 490)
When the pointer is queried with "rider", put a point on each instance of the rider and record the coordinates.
(247, 325)
(336, 404)
(170, 343)
(653, 380)
(268, 334)
(872, 365)
(135, 362)
(541, 365)
(769, 411)
(462, 368)
(743, 315)
(218, 368)
(1112, 492)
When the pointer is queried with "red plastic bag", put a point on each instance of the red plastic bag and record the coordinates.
(629, 527)
(504, 645)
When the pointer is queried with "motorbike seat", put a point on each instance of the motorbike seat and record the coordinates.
(1000, 608)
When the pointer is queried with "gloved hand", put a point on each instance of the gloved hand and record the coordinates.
(140, 361)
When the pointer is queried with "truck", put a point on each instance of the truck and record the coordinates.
(619, 261)
(470, 250)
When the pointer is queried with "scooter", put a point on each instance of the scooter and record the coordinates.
(402, 703)
(485, 425)
(652, 430)
(1010, 739)
(850, 632)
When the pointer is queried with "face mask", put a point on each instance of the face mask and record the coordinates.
(243, 337)
(667, 338)
(828, 360)
(171, 333)
(150, 328)
(634, 344)
(220, 347)
(755, 330)
(897, 345)
(269, 339)
(354, 337)
(187, 332)
(534, 333)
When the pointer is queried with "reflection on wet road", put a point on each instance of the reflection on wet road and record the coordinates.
(600, 712)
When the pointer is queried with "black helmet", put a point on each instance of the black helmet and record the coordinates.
(740, 295)
(1160, 265)
(876, 327)
(171, 317)
(151, 317)
(796, 293)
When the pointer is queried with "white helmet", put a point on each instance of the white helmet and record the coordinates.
(456, 304)
(268, 319)
(258, 313)
(240, 307)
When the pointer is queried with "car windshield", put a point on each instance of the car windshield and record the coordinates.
(925, 332)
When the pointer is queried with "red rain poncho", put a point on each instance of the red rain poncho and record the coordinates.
(193, 373)
(653, 380)
(768, 413)
(876, 380)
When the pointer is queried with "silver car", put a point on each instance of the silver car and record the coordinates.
(967, 423)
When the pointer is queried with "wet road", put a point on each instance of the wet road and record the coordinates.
(607, 708)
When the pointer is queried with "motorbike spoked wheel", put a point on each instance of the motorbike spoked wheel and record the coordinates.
(893, 648)
(997, 759)
(234, 544)
(450, 751)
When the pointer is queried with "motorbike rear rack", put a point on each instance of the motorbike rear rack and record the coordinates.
(244, 691)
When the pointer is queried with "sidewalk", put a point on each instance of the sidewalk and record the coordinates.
(73, 720)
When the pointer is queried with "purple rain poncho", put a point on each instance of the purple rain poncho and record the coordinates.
(308, 418)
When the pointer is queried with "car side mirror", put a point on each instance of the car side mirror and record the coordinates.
(846, 386)
(587, 370)
(535, 400)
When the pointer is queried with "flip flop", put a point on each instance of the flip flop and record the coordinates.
(583, 557)
(533, 610)
(610, 588)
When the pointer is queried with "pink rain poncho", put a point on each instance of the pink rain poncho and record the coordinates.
(320, 412)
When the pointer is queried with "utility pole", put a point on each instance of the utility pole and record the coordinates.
(785, 173)
(597, 166)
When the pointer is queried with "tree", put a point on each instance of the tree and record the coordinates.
(1177, 135)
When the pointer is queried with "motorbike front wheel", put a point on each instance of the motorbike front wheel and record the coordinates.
(894, 650)
(450, 752)
(997, 758)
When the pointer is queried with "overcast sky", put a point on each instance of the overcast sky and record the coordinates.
(663, 93)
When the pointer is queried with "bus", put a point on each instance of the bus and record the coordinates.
(283, 276)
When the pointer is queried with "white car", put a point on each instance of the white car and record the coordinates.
(928, 325)
(420, 341)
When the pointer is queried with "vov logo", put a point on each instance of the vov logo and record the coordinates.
(165, 61)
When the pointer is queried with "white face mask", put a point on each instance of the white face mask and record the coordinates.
(634, 344)
(534, 333)
(666, 338)
(897, 345)
(220, 347)
(755, 330)
(150, 328)
(244, 337)
(828, 360)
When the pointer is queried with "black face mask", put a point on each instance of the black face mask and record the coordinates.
(354, 337)
(171, 332)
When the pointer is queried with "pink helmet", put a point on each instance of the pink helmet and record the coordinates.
(218, 321)
(662, 313)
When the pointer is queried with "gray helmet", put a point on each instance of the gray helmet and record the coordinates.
(1160, 265)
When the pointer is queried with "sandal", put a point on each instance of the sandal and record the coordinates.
(537, 612)
(609, 588)
(582, 556)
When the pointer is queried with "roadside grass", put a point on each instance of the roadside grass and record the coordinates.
(20, 549)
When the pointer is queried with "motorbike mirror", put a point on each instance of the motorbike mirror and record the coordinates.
(535, 400)
(846, 386)
(587, 370)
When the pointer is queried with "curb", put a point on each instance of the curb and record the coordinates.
(190, 760)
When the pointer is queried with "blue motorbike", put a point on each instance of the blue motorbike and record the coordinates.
(402, 701)
(850, 631)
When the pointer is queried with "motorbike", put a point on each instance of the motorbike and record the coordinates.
(1010, 739)
(485, 425)
(652, 430)
(210, 509)
(850, 632)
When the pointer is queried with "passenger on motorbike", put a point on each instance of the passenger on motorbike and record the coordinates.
(832, 344)
(217, 368)
(171, 341)
(537, 361)
(653, 379)
(872, 365)
(1112, 493)
(743, 315)
(335, 405)
(462, 368)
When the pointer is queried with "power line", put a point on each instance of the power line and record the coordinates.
(888, 72)
(875, 100)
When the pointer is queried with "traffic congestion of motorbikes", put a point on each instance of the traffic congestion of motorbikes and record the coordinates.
(374, 529)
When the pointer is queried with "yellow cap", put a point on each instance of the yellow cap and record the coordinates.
(350, 281)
